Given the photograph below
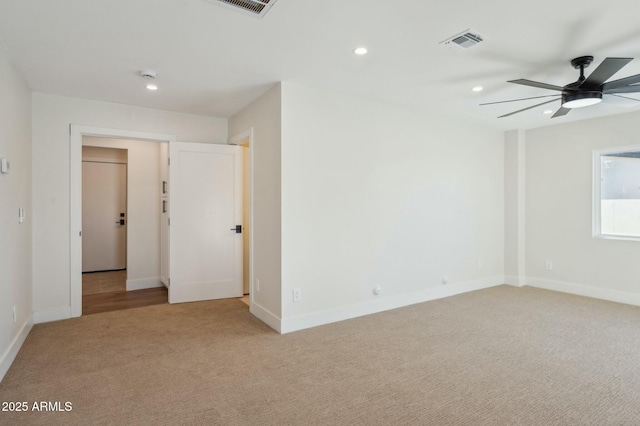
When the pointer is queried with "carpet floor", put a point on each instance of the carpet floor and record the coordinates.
(500, 356)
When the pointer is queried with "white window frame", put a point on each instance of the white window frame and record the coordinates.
(597, 191)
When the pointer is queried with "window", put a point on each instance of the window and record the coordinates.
(616, 200)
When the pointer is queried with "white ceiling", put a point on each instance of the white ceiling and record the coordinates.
(213, 61)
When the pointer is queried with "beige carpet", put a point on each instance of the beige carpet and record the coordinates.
(104, 282)
(501, 356)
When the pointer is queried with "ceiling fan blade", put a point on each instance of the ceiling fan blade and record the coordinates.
(562, 111)
(517, 100)
(625, 89)
(605, 70)
(626, 97)
(621, 83)
(527, 108)
(532, 83)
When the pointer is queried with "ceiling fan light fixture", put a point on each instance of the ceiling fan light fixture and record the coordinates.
(581, 99)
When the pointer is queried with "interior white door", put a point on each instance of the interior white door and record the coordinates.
(104, 201)
(206, 205)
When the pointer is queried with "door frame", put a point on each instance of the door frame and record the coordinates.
(77, 132)
(239, 139)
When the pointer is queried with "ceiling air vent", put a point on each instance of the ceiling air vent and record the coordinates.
(464, 40)
(251, 7)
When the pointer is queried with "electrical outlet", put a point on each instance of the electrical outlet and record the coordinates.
(377, 290)
(15, 314)
(548, 265)
(257, 286)
(445, 279)
(297, 295)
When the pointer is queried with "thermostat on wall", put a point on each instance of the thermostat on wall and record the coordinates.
(4, 165)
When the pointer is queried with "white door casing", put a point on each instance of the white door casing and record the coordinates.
(76, 133)
(104, 198)
(206, 205)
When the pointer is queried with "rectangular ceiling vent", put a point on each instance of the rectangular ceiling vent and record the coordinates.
(252, 7)
(464, 40)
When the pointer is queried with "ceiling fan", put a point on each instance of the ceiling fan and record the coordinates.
(585, 91)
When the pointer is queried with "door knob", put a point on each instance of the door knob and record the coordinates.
(121, 222)
(238, 229)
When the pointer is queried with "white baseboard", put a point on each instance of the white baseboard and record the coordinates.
(514, 280)
(266, 316)
(142, 283)
(618, 296)
(385, 303)
(12, 351)
(53, 314)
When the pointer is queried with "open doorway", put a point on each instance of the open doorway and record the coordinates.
(121, 224)
(104, 220)
(245, 140)
(78, 134)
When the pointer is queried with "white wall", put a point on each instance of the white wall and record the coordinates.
(559, 211)
(143, 209)
(374, 195)
(15, 192)
(264, 115)
(514, 207)
(52, 116)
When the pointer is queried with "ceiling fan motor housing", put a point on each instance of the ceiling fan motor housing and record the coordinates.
(580, 99)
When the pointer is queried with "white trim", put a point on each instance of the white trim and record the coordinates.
(53, 314)
(383, 304)
(12, 351)
(618, 296)
(75, 198)
(596, 193)
(266, 316)
(142, 283)
(240, 138)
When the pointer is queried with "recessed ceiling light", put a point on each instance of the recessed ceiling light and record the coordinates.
(360, 51)
(547, 112)
(478, 89)
(152, 87)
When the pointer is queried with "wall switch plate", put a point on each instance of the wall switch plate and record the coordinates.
(257, 286)
(21, 215)
(4, 165)
(297, 295)
(15, 315)
(548, 265)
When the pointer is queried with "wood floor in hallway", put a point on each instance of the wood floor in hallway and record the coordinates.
(106, 291)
